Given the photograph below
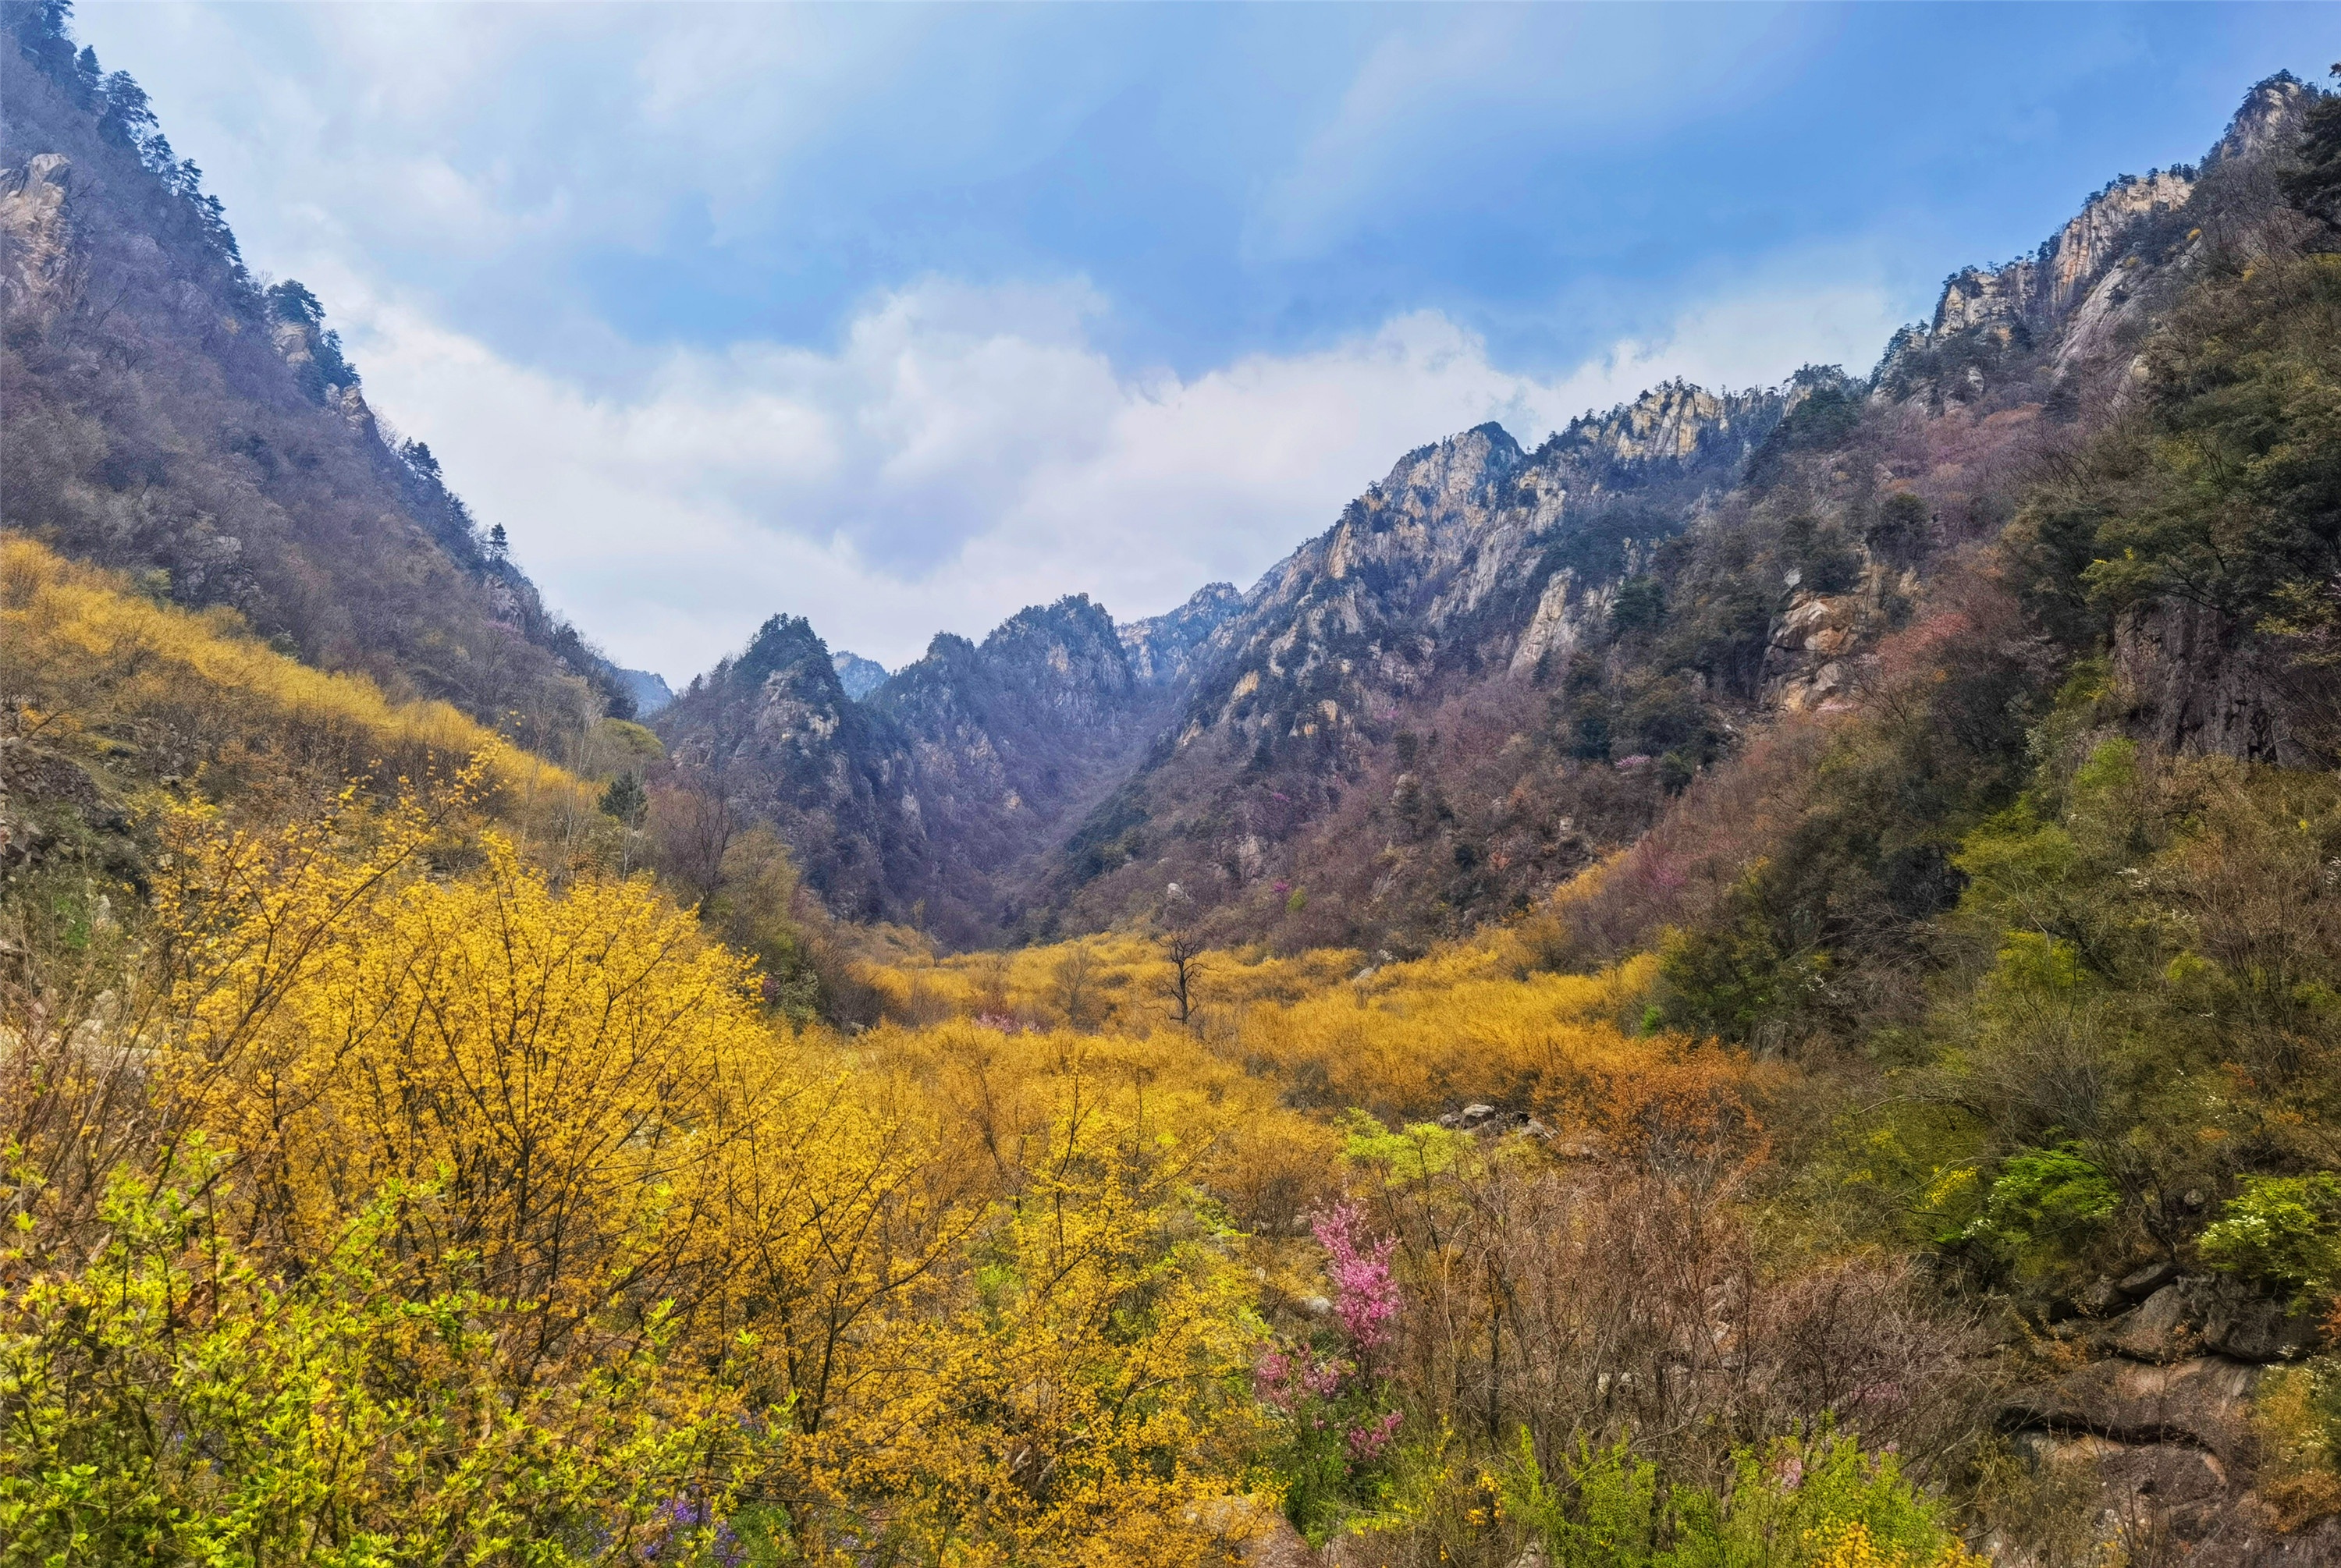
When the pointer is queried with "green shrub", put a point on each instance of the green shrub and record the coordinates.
(2043, 1198)
(2281, 1231)
(1815, 1500)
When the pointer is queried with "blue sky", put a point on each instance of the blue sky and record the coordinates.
(902, 318)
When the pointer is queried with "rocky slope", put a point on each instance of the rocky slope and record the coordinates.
(858, 676)
(2078, 302)
(165, 414)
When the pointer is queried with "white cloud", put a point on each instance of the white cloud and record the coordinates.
(952, 453)
(965, 451)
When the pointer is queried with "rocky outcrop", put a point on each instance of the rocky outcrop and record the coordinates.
(36, 234)
(1166, 649)
(2161, 1421)
(1816, 645)
(2198, 684)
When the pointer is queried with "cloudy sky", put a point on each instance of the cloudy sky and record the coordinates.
(902, 318)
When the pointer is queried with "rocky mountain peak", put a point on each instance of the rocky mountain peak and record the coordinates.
(1439, 482)
(858, 676)
(2269, 121)
(2068, 300)
(1673, 426)
(1666, 422)
(1163, 647)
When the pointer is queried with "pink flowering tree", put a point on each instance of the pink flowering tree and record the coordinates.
(1366, 1298)
(1331, 1399)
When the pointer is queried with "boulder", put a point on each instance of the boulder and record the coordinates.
(2101, 1299)
(2254, 1328)
(2139, 1285)
(2202, 1402)
(2162, 1327)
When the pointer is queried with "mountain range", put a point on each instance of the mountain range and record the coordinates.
(1497, 665)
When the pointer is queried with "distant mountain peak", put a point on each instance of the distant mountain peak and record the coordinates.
(1163, 647)
(858, 676)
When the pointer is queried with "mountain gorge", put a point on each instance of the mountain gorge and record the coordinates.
(1500, 665)
(1758, 981)
(929, 796)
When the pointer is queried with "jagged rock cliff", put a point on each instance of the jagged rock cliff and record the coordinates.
(1164, 649)
(925, 801)
(2074, 303)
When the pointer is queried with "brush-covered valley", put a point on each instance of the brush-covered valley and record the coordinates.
(1757, 984)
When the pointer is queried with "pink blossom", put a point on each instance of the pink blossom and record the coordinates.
(1366, 1296)
(1282, 1380)
(1369, 1438)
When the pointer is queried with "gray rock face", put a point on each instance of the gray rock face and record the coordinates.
(2075, 296)
(2133, 1479)
(2200, 1402)
(647, 687)
(2169, 1450)
(2199, 686)
(36, 233)
(859, 677)
(1165, 649)
(2164, 1327)
(2254, 1328)
(2142, 1283)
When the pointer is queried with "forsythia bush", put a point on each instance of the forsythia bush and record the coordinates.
(196, 693)
(403, 1204)
(481, 1220)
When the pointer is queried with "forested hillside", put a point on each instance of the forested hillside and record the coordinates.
(166, 411)
(1758, 984)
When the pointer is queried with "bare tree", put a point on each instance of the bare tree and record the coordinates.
(1184, 953)
(693, 826)
(1075, 980)
(991, 970)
